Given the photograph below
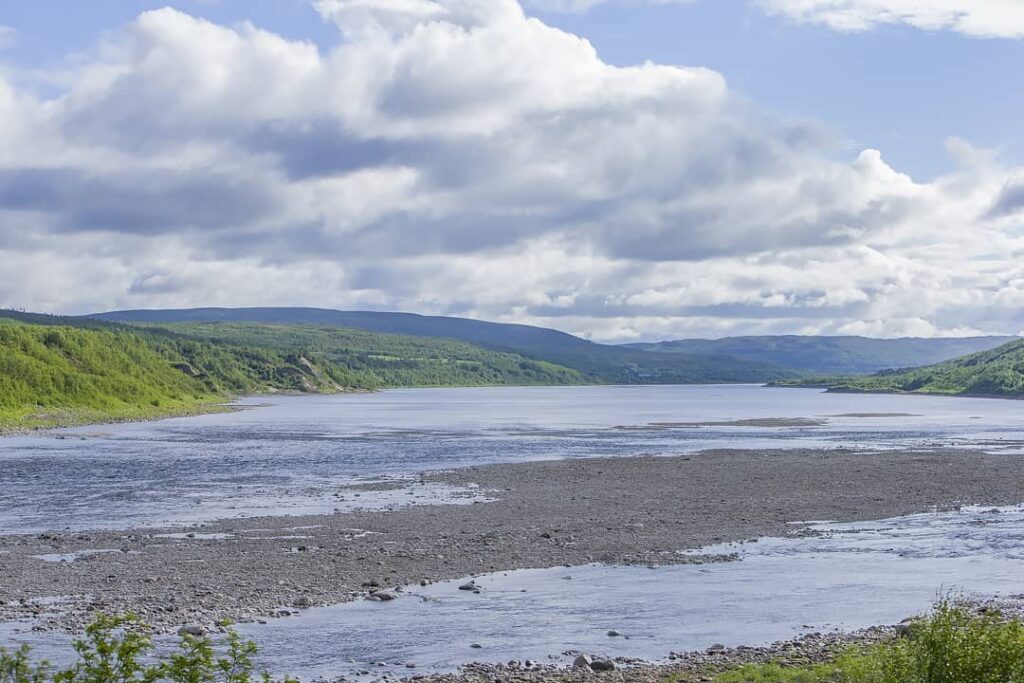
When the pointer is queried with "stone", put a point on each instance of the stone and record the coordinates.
(582, 662)
(614, 634)
(602, 665)
(905, 628)
(382, 596)
(192, 630)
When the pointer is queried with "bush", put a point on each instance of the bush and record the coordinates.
(119, 649)
(953, 644)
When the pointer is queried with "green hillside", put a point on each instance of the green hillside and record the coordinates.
(53, 375)
(832, 355)
(59, 374)
(382, 360)
(996, 372)
(58, 371)
(597, 362)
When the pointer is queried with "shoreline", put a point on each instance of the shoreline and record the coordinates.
(617, 511)
(226, 405)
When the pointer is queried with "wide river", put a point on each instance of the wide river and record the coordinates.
(293, 454)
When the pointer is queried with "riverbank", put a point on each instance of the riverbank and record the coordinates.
(540, 514)
(54, 419)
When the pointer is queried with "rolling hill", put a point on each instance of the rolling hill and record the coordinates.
(59, 371)
(55, 375)
(379, 360)
(832, 355)
(597, 362)
(997, 372)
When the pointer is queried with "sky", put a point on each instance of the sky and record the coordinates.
(621, 169)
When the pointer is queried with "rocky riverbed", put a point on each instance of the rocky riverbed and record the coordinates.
(571, 512)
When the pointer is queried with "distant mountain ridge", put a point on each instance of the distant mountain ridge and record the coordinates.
(997, 373)
(599, 362)
(838, 355)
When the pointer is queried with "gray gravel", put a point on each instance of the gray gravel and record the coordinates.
(569, 512)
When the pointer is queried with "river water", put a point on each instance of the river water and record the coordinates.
(291, 455)
(843, 577)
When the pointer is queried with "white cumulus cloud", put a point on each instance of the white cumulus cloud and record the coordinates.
(461, 157)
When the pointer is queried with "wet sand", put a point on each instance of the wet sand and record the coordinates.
(570, 512)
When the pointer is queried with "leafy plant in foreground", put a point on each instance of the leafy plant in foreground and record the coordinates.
(119, 649)
(953, 644)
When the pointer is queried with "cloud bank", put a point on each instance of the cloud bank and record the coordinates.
(460, 157)
(977, 18)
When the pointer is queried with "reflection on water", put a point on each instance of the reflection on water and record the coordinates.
(842, 576)
(291, 455)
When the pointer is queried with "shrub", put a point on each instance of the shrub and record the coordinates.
(119, 649)
(953, 644)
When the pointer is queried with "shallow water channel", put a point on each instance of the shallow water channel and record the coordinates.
(296, 455)
(838, 576)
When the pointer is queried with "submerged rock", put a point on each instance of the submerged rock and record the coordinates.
(382, 596)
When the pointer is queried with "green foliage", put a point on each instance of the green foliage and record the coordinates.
(111, 650)
(47, 371)
(58, 375)
(371, 359)
(16, 667)
(598, 363)
(996, 372)
(953, 644)
(847, 355)
(59, 371)
(119, 649)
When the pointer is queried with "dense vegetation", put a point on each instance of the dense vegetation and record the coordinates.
(50, 375)
(120, 650)
(954, 644)
(832, 355)
(996, 372)
(597, 362)
(58, 371)
(382, 360)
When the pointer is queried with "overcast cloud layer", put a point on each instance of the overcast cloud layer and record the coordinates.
(459, 157)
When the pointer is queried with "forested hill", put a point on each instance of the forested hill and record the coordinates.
(833, 355)
(597, 362)
(996, 372)
(379, 360)
(55, 375)
(56, 370)
(59, 374)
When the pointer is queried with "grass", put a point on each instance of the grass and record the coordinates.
(953, 644)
